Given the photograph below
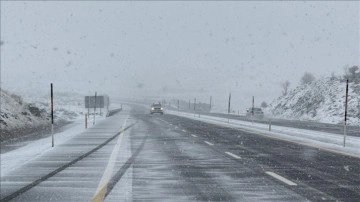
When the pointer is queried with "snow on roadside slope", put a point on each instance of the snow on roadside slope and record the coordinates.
(14, 111)
(321, 140)
(322, 100)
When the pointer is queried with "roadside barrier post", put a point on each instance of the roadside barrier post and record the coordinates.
(194, 106)
(229, 107)
(85, 120)
(269, 124)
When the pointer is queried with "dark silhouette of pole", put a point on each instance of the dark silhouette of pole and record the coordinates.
(346, 103)
(229, 105)
(94, 108)
(194, 106)
(88, 106)
(52, 115)
(252, 109)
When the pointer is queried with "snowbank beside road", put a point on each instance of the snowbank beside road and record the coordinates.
(321, 140)
(16, 158)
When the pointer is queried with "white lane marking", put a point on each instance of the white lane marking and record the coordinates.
(233, 155)
(209, 143)
(193, 135)
(282, 179)
(183, 131)
(111, 163)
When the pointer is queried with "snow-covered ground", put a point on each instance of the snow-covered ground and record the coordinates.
(30, 113)
(321, 140)
(18, 157)
(322, 100)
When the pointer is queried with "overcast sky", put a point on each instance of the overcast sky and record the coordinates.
(175, 49)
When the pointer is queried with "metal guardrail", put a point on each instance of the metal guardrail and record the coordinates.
(112, 112)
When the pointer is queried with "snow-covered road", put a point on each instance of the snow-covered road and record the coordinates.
(135, 156)
(322, 140)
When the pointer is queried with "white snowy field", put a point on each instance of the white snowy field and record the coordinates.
(320, 140)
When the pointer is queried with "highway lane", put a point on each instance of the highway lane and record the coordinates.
(319, 175)
(177, 166)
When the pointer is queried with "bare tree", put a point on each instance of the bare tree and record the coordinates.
(347, 73)
(307, 78)
(333, 76)
(285, 86)
(351, 73)
(264, 104)
(354, 73)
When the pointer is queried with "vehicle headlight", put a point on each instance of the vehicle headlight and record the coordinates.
(152, 108)
(161, 108)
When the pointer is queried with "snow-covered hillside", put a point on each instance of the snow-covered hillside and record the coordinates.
(20, 116)
(17, 115)
(322, 100)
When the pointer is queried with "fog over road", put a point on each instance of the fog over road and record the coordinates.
(135, 156)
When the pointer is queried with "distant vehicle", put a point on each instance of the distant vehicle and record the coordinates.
(255, 112)
(156, 108)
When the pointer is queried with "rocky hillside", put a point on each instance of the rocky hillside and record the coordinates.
(16, 115)
(321, 100)
(19, 118)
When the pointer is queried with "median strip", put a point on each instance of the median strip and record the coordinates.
(282, 179)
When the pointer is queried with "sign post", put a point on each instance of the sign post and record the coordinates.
(88, 108)
(86, 120)
(52, 115)
(94, 108)
(346, 103)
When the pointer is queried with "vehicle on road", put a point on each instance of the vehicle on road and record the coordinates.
(255, 113)
(156, 108)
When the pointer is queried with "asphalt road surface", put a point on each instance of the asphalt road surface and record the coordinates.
(170, 158)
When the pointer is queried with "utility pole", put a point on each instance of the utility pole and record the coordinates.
(210, 101)
(346, 103)
(178, 103)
